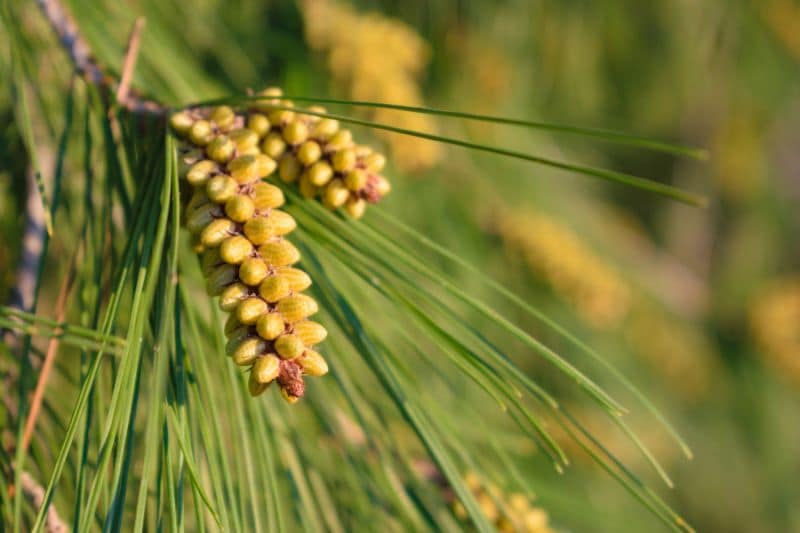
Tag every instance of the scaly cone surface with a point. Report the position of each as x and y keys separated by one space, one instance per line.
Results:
x=240 y=232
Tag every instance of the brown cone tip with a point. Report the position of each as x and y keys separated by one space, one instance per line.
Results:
x=370 y=191
x=291 y=378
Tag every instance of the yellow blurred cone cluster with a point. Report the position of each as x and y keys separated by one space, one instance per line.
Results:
x=605 y=301
x=376 y=58
x=775 y=322
x=509 y=513
x=598 y=294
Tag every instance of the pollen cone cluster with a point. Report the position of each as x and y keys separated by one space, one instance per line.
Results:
x=240 y=231
x=775 y=323
x=599 y=294
x=509 y=513
x=377 y=58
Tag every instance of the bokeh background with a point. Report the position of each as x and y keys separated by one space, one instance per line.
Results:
x=699 y=307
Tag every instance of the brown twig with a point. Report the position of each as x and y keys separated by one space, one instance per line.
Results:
x=130 y=60
x=86 y=65
x=23 y=294
x=49 y=359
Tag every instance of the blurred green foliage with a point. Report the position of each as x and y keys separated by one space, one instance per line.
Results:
x=721 y=75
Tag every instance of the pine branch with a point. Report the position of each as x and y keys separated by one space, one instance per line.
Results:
x=89 y=69
x=23 y=293
x=34 y=492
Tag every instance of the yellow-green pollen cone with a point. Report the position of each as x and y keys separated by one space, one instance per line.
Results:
x=228 y=158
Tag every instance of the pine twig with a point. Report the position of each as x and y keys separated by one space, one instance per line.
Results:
x=132 y=53
x=49 y=359
x=23 y=293
x=86 y=65
x=34 y=492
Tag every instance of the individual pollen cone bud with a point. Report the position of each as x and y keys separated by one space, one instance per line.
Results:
x=198 y=219
x=220 y=278
x=273 y=288
x=273 y=145
x=235 y=338
x=375 y=162
x=325 y=129
x=196 y=245
x=344 y=161
x=222 y=188
x=248 y=350
x=254 y=151
x=289 y=168
x=313 y=363
x=295 y=133
x=273 y=92
x=240 y=208
x=279 y=253
x=356 y=179
x=261 y=229
x=282 y=116
x=258 y=123
x=270 y=326
x=320 y=173
x=297 y=307
x=265 y=165
x=290 y=399
x=198 y=198
x=355 y=207
x=298 y=279
x=266 y=369
x=232 y=324
x=362 y=150
x=252 y=271
x=336 y=194
x=341 y=140
x=313 y=119
x=200 y=172
x=488 y=507
x=309 y=153
x=289 y=346
x=217 y=231
x=201 y=133
x=249 y=310
x=377 y=187
x=310 y=332
x=383 y=186
x=254 y=387
x=245 y=169
x=307 y=189
x=231 y=296
x=209 y=261
x=181 y=122
x=223 y=116
x=221 y=149
x=188 y=156
x=518 y=502
x=244 y=139
x=236 y=249
x=267 y=196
